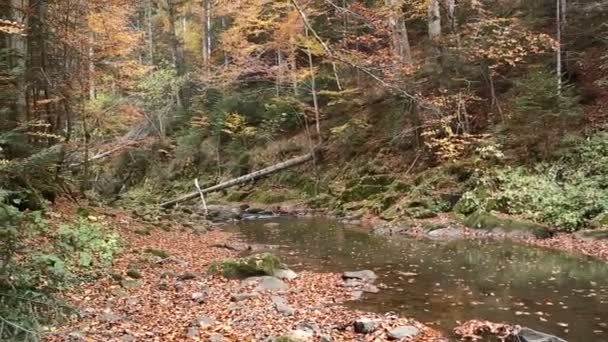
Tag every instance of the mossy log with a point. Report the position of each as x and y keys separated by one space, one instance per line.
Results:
x=246 y=178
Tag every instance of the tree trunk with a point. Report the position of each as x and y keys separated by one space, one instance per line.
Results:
x=313 y=90
x=206 y=36
x=434 y=20
x=243 y=179
x=399 y=36
x=150 y=33
x=558 y=68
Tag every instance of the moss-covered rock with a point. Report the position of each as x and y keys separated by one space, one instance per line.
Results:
x=600 y=221
x=320 y=201
x=484 y=220
x=239 y=268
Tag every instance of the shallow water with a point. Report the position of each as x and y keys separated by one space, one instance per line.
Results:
x=442 y=282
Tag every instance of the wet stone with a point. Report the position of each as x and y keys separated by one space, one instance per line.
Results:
x=365 y=275
x=365 y=325
x=406 y=331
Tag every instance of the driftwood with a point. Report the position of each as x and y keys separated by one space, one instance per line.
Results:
x=243 y=179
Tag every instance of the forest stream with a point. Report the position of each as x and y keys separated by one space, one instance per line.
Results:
x=442 y=282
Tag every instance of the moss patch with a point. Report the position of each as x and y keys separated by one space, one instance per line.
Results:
x=484 y=220
x=239 y=268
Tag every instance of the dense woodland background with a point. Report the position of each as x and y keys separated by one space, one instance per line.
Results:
x=421 y=107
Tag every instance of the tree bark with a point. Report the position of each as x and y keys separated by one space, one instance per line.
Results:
x=206 y=28
x=558 y=52
x=434 y=20
x=399 y=36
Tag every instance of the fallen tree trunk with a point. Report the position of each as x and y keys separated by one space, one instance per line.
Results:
x=239 y=180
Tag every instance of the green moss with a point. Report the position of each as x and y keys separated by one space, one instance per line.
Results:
x=134 y=273
x=237 y=196
x=361 y=192
x=484 y=220
x=600 y=221
x=271 y=196
x=238 y=268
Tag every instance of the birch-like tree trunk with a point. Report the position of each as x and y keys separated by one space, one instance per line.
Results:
x=313 y=90
x=150 y=32
x=558 y=52
x=206 y=36
x=399 y=36
x=434 y=20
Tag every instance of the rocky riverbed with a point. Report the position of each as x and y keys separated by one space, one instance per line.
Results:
x=160 y=289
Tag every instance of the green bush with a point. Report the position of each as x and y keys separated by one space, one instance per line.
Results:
x=568 y=192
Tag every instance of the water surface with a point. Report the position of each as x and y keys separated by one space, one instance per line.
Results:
x=443 y=282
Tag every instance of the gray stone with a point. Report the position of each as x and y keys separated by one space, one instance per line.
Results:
x=369 y=288
x=446 y=233
x=192 y=332
x=110 y=317
x=301 y=335
x=127 y=338
x=365 y=325
x=308 y=326
x=325 y=338
x=216 y=338
x=352 y=283
x=203 y=321
x=198 y=297
x=285 y=274
x=129 y=283
x=405 y=331
x=74 y=336
x=356 y=295
x=178 y=286
x=271 y=284
x=365 y=275
x=530 y=335
x=281 y=305
x=242 y=296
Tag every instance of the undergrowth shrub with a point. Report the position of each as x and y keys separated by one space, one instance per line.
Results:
x=568 y=192
x=36 y=261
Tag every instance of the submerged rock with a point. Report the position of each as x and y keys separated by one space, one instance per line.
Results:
x=365 y=275
x=531 y=335
x=406 y=331
x=517 y=228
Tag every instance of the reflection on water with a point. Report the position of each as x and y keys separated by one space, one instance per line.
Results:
x=441 y=283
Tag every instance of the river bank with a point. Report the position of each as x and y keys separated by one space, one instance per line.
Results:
x=159 y=290
x=444 y=226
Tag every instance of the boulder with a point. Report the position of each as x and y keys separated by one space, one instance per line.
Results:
x=530 y=335
x=271 y=284
x=285 y=274
x=281 y=305
x=239 y=268
x=365 y=325
x=406 y=331
x=365 y=275
x=447 y=233
x=198 y=297
x=517 y=228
